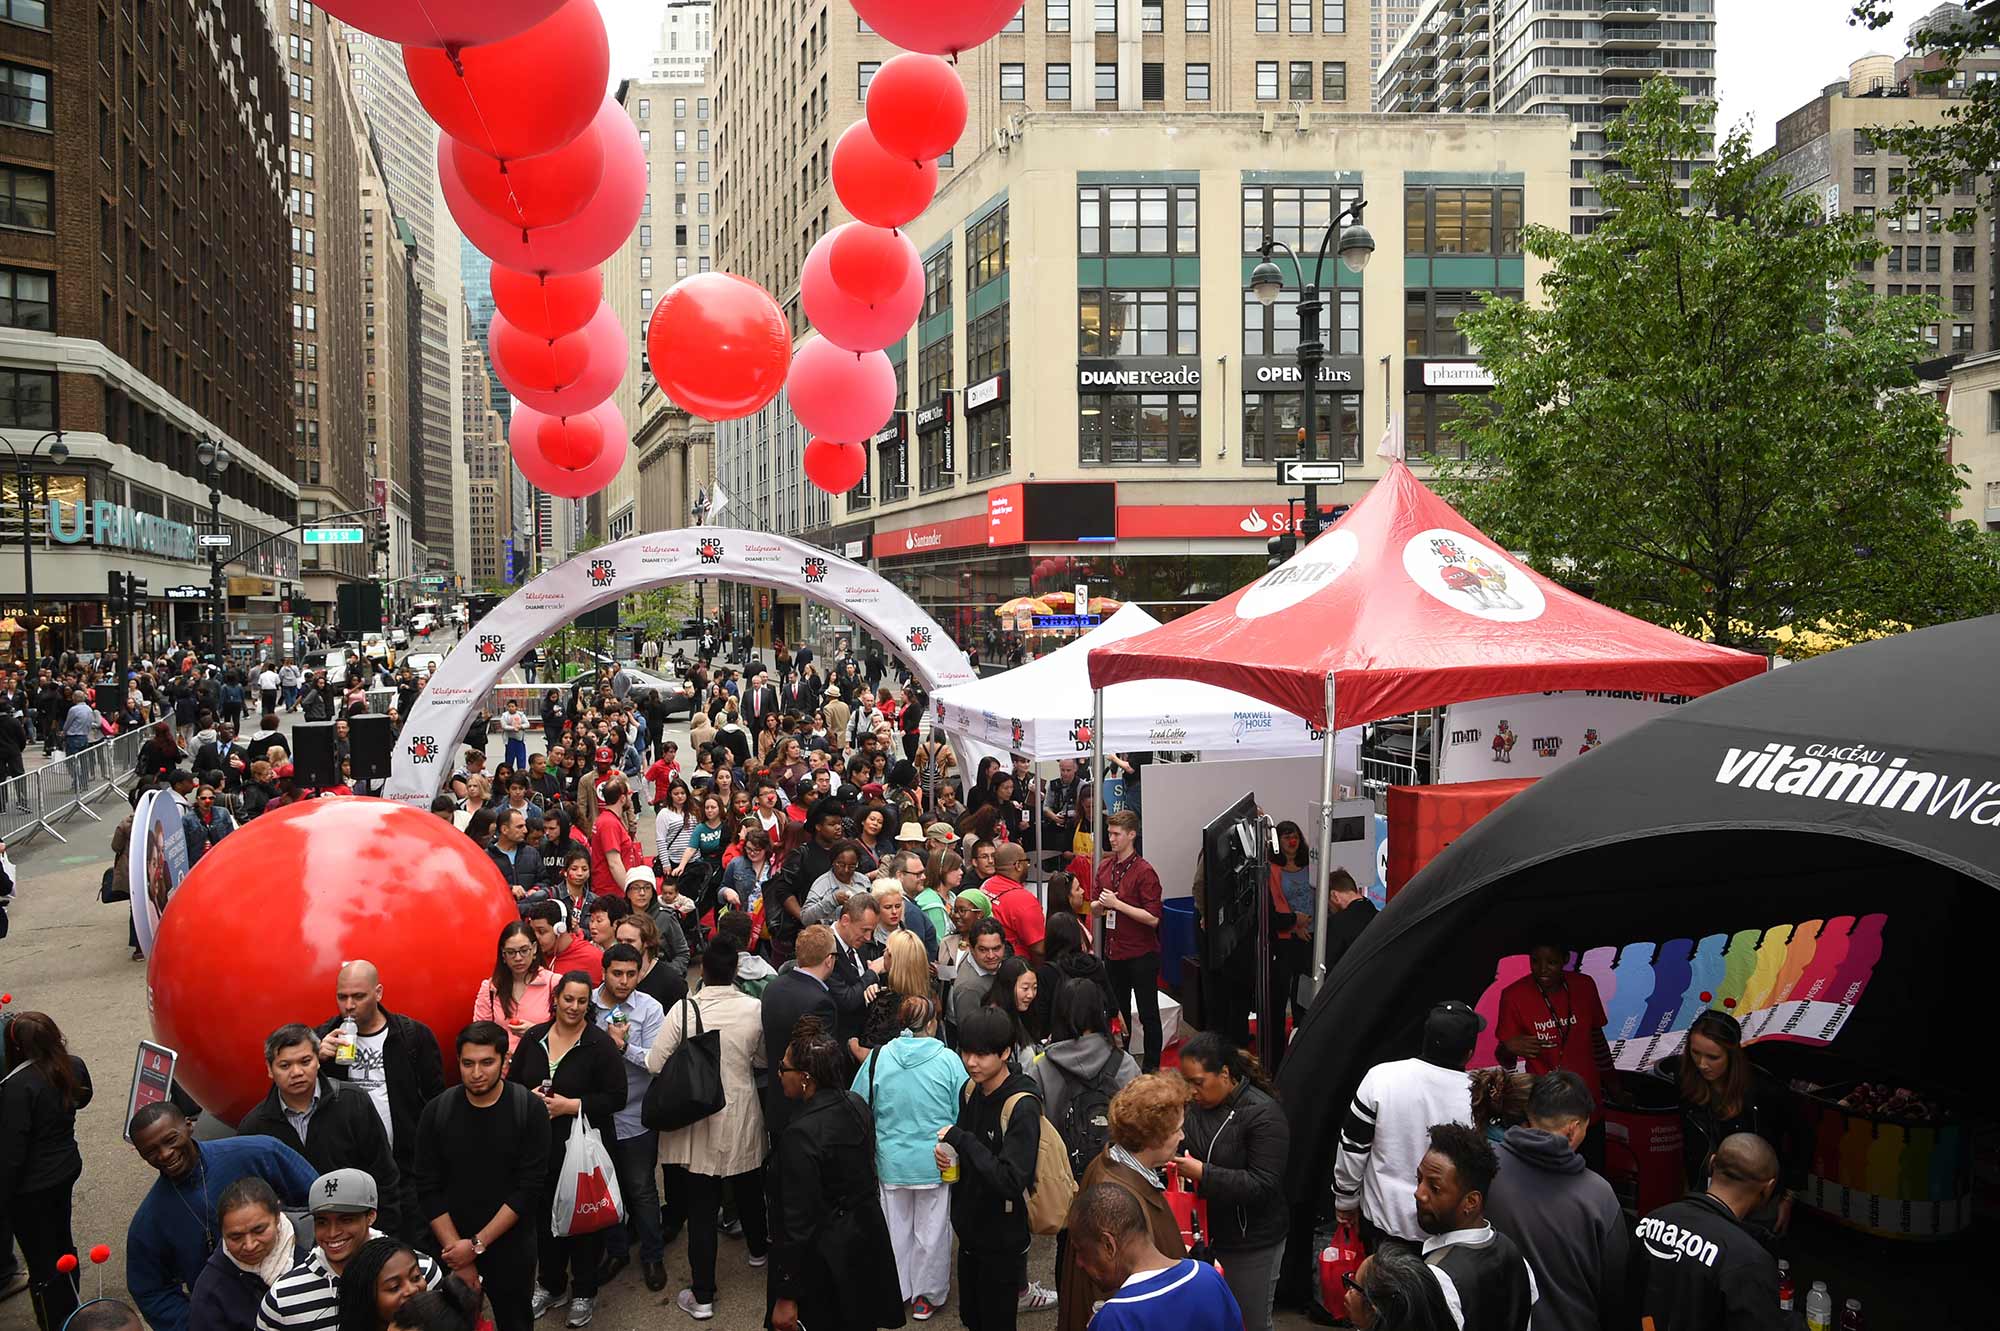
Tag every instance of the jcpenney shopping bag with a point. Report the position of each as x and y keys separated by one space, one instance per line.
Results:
x=587 y=1197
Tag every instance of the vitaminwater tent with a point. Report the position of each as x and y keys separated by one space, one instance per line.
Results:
x=1852 y=801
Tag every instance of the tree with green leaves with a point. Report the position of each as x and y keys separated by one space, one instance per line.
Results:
x=1706 y=421
x=1965 y=144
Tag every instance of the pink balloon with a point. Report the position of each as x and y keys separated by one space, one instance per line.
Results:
x=564 y=482
x=875 y=184
x=916 y=106
x=441 y=22
x=870 y=264
x=934 y=28
x=528 y=94
x=571 y=443
x=846 y=322
x=534 y=191
x=549 y=306
x=840 y=395
x=584 y=241
x=598 y=375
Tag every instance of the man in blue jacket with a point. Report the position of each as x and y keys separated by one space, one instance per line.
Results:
x=177 y=1225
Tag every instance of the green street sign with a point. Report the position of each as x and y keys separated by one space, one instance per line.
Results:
x=333 y=536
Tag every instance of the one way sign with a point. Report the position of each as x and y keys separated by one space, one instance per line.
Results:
x=1311 y=473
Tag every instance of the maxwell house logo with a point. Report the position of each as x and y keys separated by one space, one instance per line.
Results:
x=489 y=647
x=1079 y=733
x=709 y=548
x=919 y=639
x=1548 y=746
x=423 y=749
x=601 y=573
x=1017 y=731
x=814 y=570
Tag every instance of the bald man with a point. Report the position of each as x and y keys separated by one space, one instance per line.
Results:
x=1703 y=1270
x=394 y=1059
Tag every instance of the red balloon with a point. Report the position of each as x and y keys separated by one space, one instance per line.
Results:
x=584 y=241
x=869 y=264
x=584 y=481
x=67 y=1262
x=525 y=361
x=838 y=394
x=548 y=306
x=846 y=322
x=441 y=22
x=835 y=468
x=534 y=191
x=332 y=880
x=916 y=106
x=719 y=346
x=101 y=1253
x=938 y=29
x=530 y=93
x=571 y=443
x=607 y=356
x=875 y=184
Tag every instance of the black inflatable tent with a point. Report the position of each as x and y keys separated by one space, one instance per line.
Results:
x=1864 y=780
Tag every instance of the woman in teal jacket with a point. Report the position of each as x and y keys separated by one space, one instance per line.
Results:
x=912 y=1085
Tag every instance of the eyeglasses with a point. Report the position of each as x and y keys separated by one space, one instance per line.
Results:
x=517 y=951
x=1348 y=1281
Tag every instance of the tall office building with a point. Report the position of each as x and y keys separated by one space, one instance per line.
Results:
x=327 y=314
x=406 y=140
x=687 y=38
x=391 y=369
x=1583 y=60
x=489 y=474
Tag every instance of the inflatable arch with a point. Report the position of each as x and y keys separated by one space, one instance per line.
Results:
x=496 y=643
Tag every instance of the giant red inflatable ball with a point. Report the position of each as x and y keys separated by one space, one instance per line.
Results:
x=256 y=934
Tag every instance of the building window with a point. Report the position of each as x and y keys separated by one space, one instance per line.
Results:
x=1333 y=81
x=1963 y=258
x=25 y=300
x=1864 y=180
x=701 y=170
x=701 y=140
x=703 y=242
x=1961 y=337
x=986 y=249
x=1152 y=15
x=1013 y=83
x=1138 y=428
x=1055 y=83
x=988 y=451
x=1864 y=146
x=1426 y=418
x=1333 y=15
x=1197 y=83
x=27 y=13
x=24 y=197
x=1993 y=411
x=1107 y=84
x=1430 y=321
x=27 y=399
x=1274 y=331
x=1297 y=215
x=701 y=108
x=1267 y=80
x=1016 y=23
x=1961 y=300
x=1058 y=15
x=1106 y=15
x=989 y=440
x=24 y=96
x=864 y=74
x=1454 y=220
x=1124 y=324
x=1138 y=219
x=680 y=108
x=645 y=266
x=680 y=140
x=1267 y=15
x=1197 y=15
x=1273 y=425
x=1302 y=80
x=1152 y=82
x=1300 y=15
x=645 y=109
x=937 y=284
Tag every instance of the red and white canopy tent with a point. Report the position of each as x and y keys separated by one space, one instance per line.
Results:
x=1404 y=605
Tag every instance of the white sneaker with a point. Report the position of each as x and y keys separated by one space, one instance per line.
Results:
x=1036 y=1298
x=543 y=1301
x=756 y=1260
x=687 y=1303
x=580 y=1311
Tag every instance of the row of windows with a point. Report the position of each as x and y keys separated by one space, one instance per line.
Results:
x=1299 y=81
x=681 y=137
x=986 y=249
x=1916 y=220
x=1138 y=219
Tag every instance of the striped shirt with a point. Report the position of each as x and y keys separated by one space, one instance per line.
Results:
x=307 y=1298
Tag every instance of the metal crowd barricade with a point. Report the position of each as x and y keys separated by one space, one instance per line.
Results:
x=67 y=786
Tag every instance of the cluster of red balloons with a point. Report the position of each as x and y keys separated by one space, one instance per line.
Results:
x=862 y=286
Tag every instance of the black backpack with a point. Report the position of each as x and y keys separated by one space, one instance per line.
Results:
x=1085 y=1124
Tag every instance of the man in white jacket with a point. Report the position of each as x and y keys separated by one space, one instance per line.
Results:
x=1387 y=1129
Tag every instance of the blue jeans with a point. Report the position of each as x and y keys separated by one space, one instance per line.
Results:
x=290 y=693
x=637 y=1159
x=517 y=753
x=74 y=744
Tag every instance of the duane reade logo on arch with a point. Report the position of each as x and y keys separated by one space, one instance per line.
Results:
x=1857 y=774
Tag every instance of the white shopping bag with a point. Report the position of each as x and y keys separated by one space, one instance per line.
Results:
x=587 y=1197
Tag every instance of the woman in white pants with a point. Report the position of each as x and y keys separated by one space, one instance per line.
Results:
x=912 y=1085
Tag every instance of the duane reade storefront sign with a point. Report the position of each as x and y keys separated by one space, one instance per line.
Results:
x=1099 y=374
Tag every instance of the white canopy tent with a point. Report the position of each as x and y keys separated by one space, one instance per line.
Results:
x=1042 y=710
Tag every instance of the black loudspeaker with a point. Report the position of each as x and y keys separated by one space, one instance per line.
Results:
x=313 y=763
x=368 y=745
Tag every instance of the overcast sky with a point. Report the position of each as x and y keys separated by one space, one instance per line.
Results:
x=1773 y=55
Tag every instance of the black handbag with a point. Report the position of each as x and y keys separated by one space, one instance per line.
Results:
x=689 y=1087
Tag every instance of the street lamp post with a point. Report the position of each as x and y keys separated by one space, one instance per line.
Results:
x=214 y=460
x=24 y=485
x=1267 y=281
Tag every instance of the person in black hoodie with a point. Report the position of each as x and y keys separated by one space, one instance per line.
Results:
x=39 y=1159
x=994 y=1145
x=1564 y=1218
x=1700 y=1268
x=1236 y=1143
x=1485 y=1278
x=341 y=1129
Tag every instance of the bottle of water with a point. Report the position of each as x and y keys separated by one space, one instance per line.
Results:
x=1819 y=1308
x=1850 y=1316
x=346 y=1050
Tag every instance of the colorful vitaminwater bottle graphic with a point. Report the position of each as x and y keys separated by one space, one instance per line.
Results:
x=1672 y=968
x=1739 y=963
x=1756 y=1000
x=1599 y=964
x=1793 y=1023
x=1705 y=972
x=1798 y=956
x=1626 y=1007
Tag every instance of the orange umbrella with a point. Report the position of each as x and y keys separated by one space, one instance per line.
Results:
x=1105 y=605
x=1023 y=605
x=1062 y=599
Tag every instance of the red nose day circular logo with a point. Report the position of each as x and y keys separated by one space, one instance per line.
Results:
x=919 y=639
x=1079 y=733
x=709 y=548
x=601 y=572
x=489 y=647
x=423 y=749
x=814 y=570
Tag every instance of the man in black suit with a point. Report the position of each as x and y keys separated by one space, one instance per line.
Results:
x=798 y=992
x=857 y=964
x=760 y=701
x=801 y=693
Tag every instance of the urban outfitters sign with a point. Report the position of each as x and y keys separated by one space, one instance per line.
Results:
x=123 y=528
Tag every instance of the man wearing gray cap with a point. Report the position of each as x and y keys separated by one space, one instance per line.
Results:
x=307 y=1298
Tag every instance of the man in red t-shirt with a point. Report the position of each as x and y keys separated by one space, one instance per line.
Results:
x=1128 y=894
x=1020 y=915
x=613 y=852
x=1554 y=1018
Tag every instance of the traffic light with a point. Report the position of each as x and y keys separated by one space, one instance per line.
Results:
x=135 y=590
x=116 y=593
x=1281 y=548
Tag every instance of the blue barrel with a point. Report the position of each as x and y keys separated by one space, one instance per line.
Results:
x=1176 y=938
